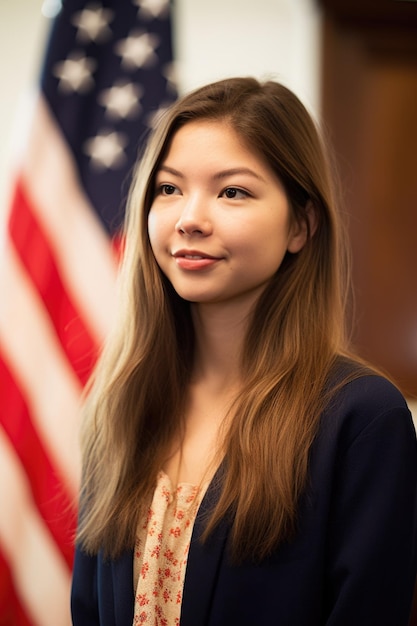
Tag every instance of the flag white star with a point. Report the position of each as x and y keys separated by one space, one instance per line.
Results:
x=106 y=150
x=169 y=71
x=93 y=23
x=138 y=50
x=121 y=100
x=75 y=73
x=152 y=8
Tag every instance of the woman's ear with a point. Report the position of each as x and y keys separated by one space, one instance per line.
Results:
x=303 y=229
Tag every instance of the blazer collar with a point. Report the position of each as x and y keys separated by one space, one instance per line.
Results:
x=203 y=562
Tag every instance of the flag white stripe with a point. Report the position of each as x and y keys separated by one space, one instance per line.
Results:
x=40 y=573
x=40 y=368
x=80 y=245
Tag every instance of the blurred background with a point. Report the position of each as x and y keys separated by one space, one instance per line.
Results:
x=281 y=38
x=66 y=151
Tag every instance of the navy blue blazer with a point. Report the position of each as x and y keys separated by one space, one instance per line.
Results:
x=353 y=561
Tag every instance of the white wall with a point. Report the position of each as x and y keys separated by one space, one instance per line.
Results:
x=264 y=38
x=214 y=39
x=22 y=31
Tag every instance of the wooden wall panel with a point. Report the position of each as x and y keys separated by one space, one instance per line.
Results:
x=370 y=110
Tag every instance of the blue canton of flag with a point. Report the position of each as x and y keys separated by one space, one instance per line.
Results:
x=108 y=70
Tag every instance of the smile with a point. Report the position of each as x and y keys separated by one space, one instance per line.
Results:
x=194 y=260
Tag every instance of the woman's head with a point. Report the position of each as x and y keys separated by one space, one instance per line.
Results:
x=220 y=223
x=272 y=122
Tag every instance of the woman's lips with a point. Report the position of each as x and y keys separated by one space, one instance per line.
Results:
x=194 y=260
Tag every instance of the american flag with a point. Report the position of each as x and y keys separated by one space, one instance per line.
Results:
x=107 y=72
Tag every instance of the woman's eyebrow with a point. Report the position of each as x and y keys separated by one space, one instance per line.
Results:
x=237 y=170
x=219 y=175
x=170 y=170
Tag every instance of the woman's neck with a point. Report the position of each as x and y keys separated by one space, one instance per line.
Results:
x=219 y=335
x=215 y=384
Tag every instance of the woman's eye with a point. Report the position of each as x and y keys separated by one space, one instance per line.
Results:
x=167 y=190
x=234 y=193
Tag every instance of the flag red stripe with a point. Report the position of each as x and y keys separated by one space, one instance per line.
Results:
x=11 y=611
x=58 y=279
x=78 y=242
x=52 y=501
x=34 y=250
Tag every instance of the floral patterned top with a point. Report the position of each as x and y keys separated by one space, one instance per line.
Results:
x=161 y=552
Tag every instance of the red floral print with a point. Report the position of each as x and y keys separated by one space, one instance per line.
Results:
x=161 y=552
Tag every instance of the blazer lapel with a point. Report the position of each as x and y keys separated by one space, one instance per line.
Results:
x=124 y=599
x=204 y=561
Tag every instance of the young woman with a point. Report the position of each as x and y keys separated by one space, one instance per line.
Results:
x=240 y=466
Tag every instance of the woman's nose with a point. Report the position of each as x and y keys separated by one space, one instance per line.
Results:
x=194 y=218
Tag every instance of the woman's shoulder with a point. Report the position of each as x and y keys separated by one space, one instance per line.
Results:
x=362 y=398
x=355 y=381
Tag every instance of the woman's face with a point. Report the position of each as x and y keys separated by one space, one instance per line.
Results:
x=219 y=224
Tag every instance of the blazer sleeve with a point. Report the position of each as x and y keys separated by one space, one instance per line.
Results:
x=84 y=600
x=102 y=590
x=371 y=538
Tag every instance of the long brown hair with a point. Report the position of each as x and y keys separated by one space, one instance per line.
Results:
x=135 y=402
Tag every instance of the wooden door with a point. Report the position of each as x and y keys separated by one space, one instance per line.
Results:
x=369 y=107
